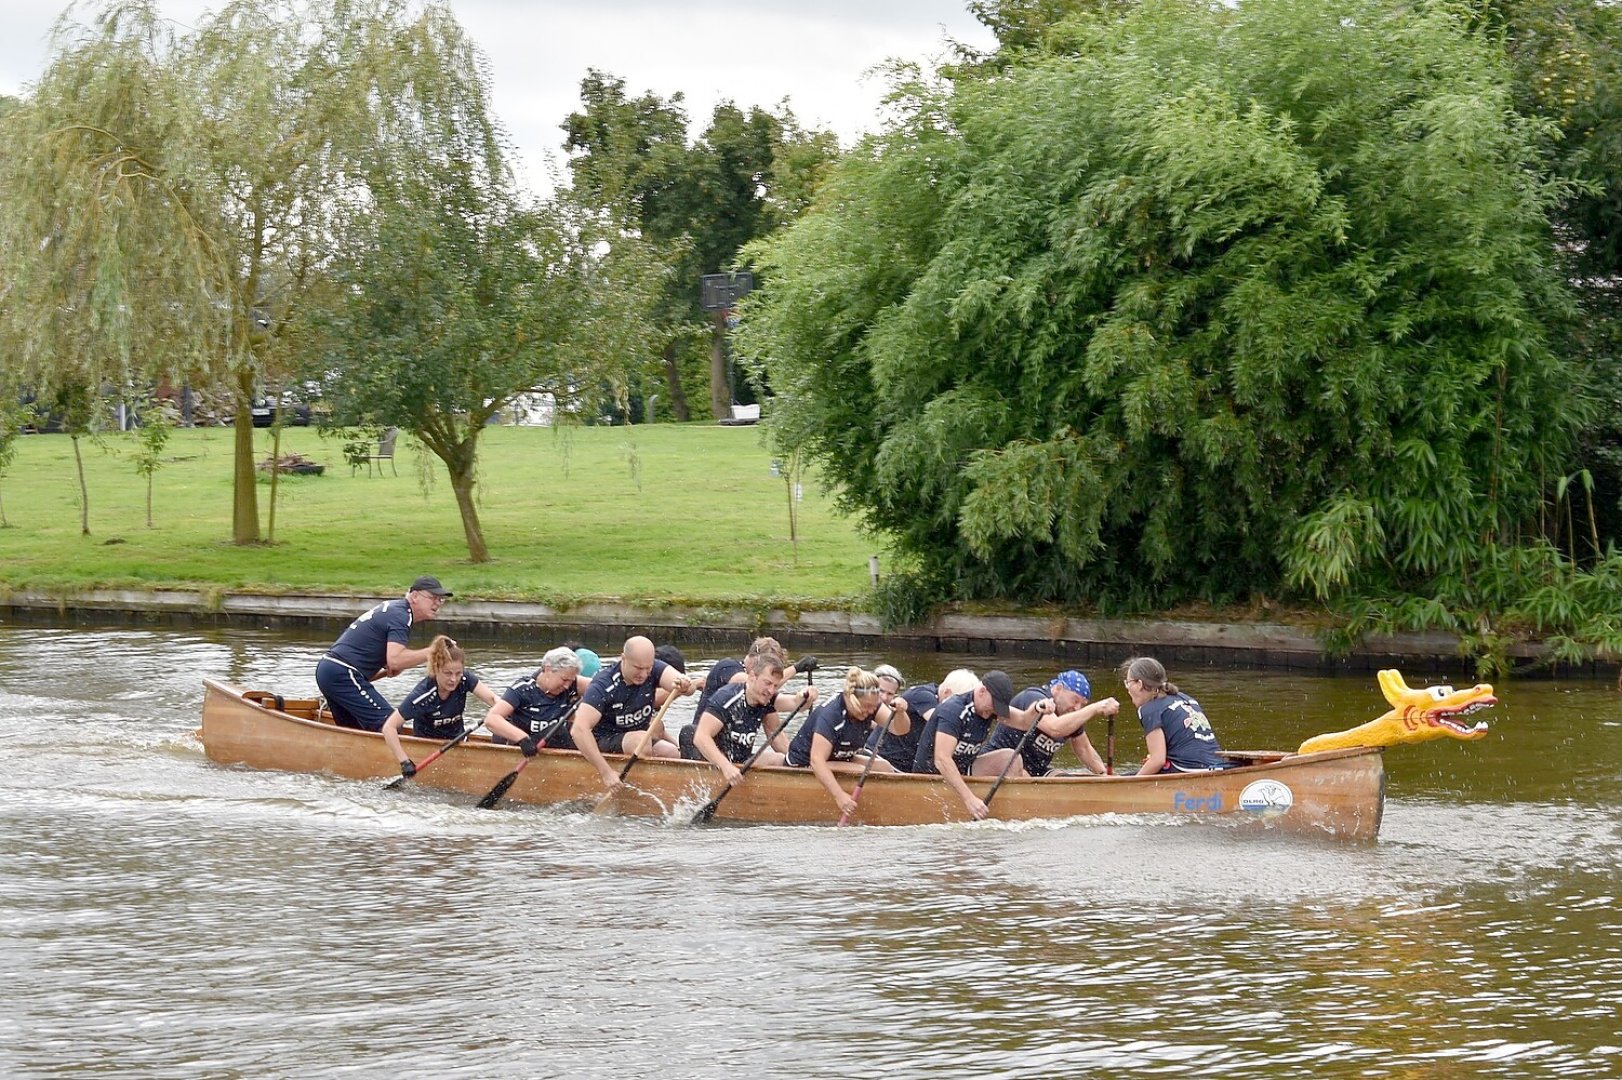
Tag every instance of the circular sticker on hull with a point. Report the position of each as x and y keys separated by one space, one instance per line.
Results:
x=1267 y=797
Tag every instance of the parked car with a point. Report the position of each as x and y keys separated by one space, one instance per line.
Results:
x=294 y=413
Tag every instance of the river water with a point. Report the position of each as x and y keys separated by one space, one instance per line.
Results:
x=163 y=916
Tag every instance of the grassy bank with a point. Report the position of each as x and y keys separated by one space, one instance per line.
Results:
x=659 y=513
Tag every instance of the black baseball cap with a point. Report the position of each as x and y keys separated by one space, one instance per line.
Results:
x=1001 y=689
x=430 y=584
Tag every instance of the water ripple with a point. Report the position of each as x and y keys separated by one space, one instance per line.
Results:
x=159 y=915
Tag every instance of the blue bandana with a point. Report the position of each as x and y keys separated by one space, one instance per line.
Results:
x=1075 y=682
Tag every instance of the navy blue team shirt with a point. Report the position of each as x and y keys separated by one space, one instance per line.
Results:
x=434 y=717
x=739 y=720
x=834 y=723
x=364 y=646
x=622 y=707
x=955 y=717
x=901 y=750
x=1190 y=742
x=720 y=675
x=534 y=709
x=1038 y=755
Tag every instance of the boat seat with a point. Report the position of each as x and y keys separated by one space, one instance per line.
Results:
x=304 y=708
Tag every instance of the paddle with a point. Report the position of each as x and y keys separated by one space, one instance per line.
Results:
x=435 y=756
x=856 y=792
x=1019 y=752
x=1109 y=749
x=707 y=811
x=494 y=795
x=658 y=718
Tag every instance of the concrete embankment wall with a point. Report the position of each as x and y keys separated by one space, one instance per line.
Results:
x=1082 y=641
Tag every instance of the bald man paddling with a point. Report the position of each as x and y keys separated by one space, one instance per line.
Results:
x=616 y=714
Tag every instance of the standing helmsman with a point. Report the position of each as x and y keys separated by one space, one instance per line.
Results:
x=374 y=646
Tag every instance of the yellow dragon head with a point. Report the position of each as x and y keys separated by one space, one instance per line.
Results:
x=1415 y=716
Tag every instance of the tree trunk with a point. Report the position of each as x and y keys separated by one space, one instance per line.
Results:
x=84 y=492
x=4 y=524
x=678 y=399
x=244 y=494
x=462 y=483
x=720 y=392
x=275 y=467
x=149 y=500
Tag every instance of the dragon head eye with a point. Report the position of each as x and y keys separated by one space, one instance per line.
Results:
x=1440 y=693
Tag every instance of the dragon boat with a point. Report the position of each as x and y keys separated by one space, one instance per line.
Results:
x=1333 y=785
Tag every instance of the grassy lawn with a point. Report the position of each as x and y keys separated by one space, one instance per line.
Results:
x=672 y=513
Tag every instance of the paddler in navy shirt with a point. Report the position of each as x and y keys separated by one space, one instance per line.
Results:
x=914 y=707
x=1177 y=735
x=436 y=704
x=839 y=731
x=730 y=671
x=960 y=727
x=531 y=706
x=374 y=646
x=616 y=714
x=724 y=733
x=1065 y=721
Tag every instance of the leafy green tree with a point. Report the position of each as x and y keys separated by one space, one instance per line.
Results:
x=81 y=411
x=164 y=191
x=1568 y=61
x=628 y=155
x=1024 y=27
x=464 y=295
x=87 y=220
x=1228 y=299
x=12 y=418
x=151 y=436
x=745 y=175
x=1568 y=64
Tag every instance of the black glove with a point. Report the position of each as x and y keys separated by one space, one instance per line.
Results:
x=528 y=746
x=805 y=665
x=408 y=768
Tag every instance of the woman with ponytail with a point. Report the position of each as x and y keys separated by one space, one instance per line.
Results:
x=1176 y=734
x=838 y=731
x=435 y=704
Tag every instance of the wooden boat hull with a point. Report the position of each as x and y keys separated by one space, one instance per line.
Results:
x=1339 y=793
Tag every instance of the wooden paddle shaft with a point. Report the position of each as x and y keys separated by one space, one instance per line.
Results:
x=1019 y=751
x=707 y=811
x=856 y=792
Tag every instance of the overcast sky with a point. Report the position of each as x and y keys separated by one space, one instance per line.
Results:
x=754 y=52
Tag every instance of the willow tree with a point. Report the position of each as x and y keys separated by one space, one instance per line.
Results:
x=164 y=195
x=463 y=293
x=1230 y=298
x=12 y=418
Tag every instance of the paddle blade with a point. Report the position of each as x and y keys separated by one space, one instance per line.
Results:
x=392 y=784
x=494 y=795
x=705 y=813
